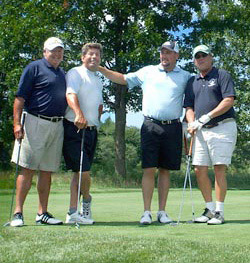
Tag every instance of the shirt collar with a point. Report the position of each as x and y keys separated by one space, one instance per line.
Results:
x=160 y=67
x=46 y=62
x=209 y=74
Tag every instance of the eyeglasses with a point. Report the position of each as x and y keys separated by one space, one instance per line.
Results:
x=201 y=55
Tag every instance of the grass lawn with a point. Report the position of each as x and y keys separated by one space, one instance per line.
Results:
x=117 y=236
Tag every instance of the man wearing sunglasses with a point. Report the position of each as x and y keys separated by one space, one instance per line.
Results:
x=209 y=100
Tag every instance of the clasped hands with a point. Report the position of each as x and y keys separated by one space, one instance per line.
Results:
x=197 y=124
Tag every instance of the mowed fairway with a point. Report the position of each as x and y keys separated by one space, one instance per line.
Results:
x=117 y=236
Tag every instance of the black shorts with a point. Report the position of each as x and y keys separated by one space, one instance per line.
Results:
x=161 y=145
x=72 y=147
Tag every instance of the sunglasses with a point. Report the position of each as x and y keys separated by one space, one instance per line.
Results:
x=201 y=55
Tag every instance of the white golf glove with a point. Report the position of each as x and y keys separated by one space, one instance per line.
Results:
x=197 y=124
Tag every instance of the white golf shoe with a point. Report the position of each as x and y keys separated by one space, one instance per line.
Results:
x=17 y=220
x=205 y=217
x=47 y=219
x=146 y=218
x=79 y=219
x=218 y=219
x=163 y=218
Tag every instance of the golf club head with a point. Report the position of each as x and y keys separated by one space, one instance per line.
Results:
x=77 y=226
x=190 y=222
x=6 y=224
x=174 y=224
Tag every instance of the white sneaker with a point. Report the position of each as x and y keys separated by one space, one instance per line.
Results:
x=17 y=220
x=205 y=217
x=163 y=218
x=78 y=218
x=86 y=209
x=47 y=219
x=146 y=218
x=218 y=219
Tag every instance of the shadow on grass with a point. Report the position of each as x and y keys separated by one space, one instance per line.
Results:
x=237 y=221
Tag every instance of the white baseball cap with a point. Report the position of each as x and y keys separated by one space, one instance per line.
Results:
x=201 y=48
x=171 y=45
x=52 y=43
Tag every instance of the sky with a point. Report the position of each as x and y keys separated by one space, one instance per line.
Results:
x=133 y=119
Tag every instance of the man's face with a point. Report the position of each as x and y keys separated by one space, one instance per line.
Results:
x=54 y=56
x=203 y=61
x=168 y=59
x=92 y=59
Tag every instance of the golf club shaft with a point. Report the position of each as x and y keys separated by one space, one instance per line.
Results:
x=80 y=172
x=188 y=153
x=19 y=141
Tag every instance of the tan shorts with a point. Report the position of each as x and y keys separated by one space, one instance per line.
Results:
x=216 y=145
x=41 y=148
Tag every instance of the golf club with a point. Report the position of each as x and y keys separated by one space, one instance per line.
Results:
x=80 y=174
x=19 y=143
x=188 y=153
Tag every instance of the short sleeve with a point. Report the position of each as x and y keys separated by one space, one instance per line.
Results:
x=73 y=81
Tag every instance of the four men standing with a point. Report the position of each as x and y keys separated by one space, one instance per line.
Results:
x=209 y=111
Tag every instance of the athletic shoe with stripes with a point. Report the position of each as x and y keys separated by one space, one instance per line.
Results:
x=86 y=209
x=17 y=220
x=47 y=219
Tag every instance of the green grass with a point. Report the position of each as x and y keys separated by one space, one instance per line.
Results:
x=117 y=236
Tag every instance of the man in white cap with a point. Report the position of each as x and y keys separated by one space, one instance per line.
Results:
x=163 y=88
x=209 y=101
x=41 y=93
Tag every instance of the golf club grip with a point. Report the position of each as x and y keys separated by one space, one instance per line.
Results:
x=23 y=117
x=191 y=146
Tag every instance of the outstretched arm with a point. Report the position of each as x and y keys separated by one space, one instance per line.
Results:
x=114 y=76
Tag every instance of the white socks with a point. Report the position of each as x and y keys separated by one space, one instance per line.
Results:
x=210 y=206
x=220 y=207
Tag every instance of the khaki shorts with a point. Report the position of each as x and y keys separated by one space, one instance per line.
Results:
x=41 y=148
x=216 y=145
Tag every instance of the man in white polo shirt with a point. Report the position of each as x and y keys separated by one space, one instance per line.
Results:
x=163 y=88
x=84 y=97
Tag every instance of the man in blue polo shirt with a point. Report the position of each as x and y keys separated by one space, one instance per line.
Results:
x=209 y=101
x=41 y=93
x=163 y=88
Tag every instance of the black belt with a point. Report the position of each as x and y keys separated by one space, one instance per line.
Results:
x=91 y=128
x=162 y=122
x=209 y=126
x=53 y=119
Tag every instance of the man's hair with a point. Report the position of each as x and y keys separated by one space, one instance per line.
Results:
x=87 y=46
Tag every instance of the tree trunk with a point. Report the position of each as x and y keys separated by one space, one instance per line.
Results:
x=120 y=124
